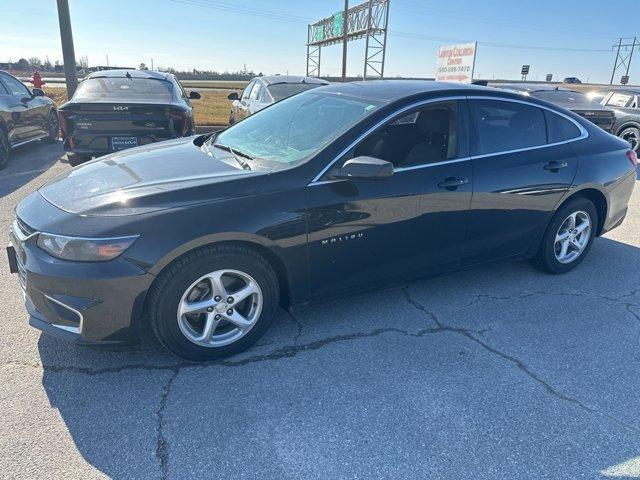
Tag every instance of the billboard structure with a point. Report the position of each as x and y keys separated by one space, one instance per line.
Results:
x=367 y=20
x=456 y=63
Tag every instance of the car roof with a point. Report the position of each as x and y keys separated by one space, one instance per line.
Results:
x=149 y=74
x=392 y=90
x=529 y=87
x=279 y=79
x=618 y=88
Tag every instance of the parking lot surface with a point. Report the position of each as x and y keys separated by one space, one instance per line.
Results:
x=493 y=372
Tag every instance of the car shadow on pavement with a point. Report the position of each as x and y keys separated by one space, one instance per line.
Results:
x=498 y=371
x=26 y=163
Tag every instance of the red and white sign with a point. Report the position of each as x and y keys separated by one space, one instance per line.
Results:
x=456 y=63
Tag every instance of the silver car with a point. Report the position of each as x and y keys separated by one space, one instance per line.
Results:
x=264 y=91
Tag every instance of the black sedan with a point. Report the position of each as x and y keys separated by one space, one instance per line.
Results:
x=117 y=109
x=25 y=116
x=625 y=102
x=569 y=99
x=337 y=189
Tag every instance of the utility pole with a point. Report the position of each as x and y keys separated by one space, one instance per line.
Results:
x=345 y=31
x=68 y=54
x=152 y=64
x=623 y=59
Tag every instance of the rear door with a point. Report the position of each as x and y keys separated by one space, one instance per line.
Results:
x=523 y=164
x=362 y=231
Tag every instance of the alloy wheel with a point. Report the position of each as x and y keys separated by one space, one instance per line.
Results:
x=631 y=135
x=572 y=237
x=53 y=126
x=219 y=308
x=4 y=148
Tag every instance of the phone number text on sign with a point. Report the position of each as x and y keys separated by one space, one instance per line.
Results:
x=456 y=63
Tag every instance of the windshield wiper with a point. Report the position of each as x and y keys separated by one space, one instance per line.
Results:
x=236 y=154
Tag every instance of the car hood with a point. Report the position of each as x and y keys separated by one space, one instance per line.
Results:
x=148 y=178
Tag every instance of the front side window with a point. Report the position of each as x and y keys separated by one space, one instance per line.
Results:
x=293 y=130
x=120 y=88
x=247 y=90
x=503 y=125
x=424 y=136
x=560 y=129
x=15 y=87
x=255 y=91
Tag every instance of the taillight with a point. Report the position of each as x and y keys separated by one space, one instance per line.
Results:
x=65 y=122
x=633 y=157
x=180 y=122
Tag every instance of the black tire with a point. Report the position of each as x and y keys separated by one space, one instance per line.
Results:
x=5 y=148
x=172 y=283
x=631 y=135
x=76 y=159
x=53 y=128
x=546 y=259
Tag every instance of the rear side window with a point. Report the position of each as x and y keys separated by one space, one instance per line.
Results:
x=560 y=129
x=620 y=100
x=504 y=125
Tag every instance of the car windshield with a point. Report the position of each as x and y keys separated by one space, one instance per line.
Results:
x=293 y=130
x=281 y=91
x=92 y=88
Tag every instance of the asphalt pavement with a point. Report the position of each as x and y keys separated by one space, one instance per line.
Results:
x=493 y=372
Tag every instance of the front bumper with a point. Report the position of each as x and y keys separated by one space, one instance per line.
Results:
x=81 y=302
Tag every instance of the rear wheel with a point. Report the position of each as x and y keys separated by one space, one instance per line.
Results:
x=214 y=302
x=5 y=149
x=569 y=237
x=52 y=128
x=76 y=159
x=631 y=135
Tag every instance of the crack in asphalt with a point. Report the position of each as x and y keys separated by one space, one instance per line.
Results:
x=162 y=445
x=514 y=360
x=162 y=448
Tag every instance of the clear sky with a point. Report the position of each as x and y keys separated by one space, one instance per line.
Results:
x=269 y=35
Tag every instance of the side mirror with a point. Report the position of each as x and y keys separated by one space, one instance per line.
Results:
x=233 y=96
x=37 y=92
x=365 y=167
x=194 y=96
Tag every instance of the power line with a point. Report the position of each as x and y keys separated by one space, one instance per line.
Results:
x=273 y=15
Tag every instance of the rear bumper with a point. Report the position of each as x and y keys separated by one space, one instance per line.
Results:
x=100 y=144
x=619 y=195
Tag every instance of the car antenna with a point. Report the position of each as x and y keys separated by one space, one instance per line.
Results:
x=128 y=75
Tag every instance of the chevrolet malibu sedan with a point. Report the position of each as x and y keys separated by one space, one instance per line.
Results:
x=340 y=188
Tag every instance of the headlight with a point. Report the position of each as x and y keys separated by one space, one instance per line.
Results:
x=84 y=249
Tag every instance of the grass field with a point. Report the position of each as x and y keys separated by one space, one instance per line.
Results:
x=212 y=109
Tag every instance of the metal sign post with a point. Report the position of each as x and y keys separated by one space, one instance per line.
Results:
x=367 y=20
x=524 y=72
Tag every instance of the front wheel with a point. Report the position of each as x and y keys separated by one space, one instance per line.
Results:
x=214 y=302
x=568 y=237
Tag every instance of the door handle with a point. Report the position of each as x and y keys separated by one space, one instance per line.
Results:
x=451 y=183
x=555 y=166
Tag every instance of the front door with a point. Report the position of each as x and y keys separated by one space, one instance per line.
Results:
x=362 y=231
